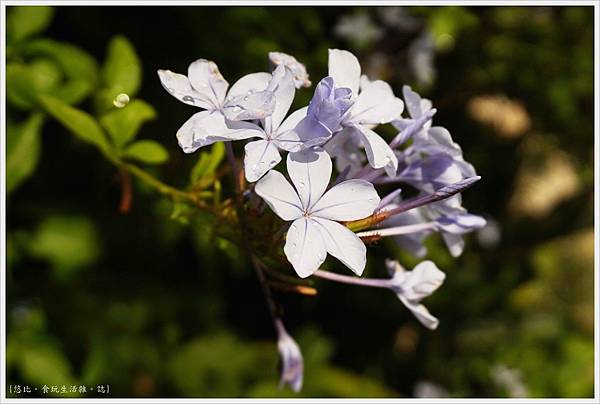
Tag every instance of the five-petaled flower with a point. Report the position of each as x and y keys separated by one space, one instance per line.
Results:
x=205 y=87
x=315 y=213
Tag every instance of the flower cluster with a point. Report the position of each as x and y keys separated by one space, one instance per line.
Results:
x=337 y=129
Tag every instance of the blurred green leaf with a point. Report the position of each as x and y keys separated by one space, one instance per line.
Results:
x=208 y=162
x=23 y=145
x=79 y=122
x=25 y=21
x=123 y=124
x=20 y=86
x=78 y=67
x=68 y=242
x=122 y=71
x=47 y=74
x=147 y=151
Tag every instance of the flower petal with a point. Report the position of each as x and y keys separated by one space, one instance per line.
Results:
x=297 y=69
x=285 y=137
x=282 y=85
x=179 y=87
x=345 y=69
x=343 y=244
x=207 y=127
x=378 y=151
x=455 y=244
x=192 y=134
x=249 y=83
x=310 y=171
x=376 y=104
x=422 y=281
x=412 y=101
x=205 y=78
x=349 y=200
x=279 y=194
x=421 y=313
x=256 y=105
x=261 y=156
x=304 y=246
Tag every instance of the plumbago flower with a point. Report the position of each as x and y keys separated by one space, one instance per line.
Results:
x=343 y=113
x=412 y=286
x=205 y=87
x=334 y=219
x=315 y=230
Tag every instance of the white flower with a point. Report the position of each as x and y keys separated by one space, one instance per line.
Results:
x=275 y=133
x=375 y=104
x=297 y=69
x=413 y=286
x=314 y=212
x=204 y=87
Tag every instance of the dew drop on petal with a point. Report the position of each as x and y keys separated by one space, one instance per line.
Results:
x=301 y=184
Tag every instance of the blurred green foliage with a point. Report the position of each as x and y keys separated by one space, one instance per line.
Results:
x=156 y=304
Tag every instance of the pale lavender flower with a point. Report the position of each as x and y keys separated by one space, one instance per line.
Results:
x=453 y=222
x=292 y=363
x=374 y=104
x=275 y=132
x=413 y=286
x=315 y=213
x=432 y=172
x=325 y=112
x=205 y=87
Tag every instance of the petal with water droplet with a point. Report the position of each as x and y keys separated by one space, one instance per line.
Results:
x=310 y=171
x=343 y=244
x=260 y=157
x=304 y=246
x=280 y=195
x=349 y=200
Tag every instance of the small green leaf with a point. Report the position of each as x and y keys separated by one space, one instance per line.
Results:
x=147 y=151
x=123 y=124
x=23 y=151
x=208 y=162
x=80 y=123
x=122 y=72
x=25 y=21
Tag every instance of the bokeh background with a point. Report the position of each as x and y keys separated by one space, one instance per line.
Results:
x=152 y=305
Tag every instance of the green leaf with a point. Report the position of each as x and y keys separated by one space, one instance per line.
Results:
x=208 y=162
x=124 y=123
x=73 y=61
x=68 y=242
x=122 y=71
x=78 y=122
x=147 y=151
x=78 y=67
x=25 y=21
x=42 y=76
x=23 y=145
x=47 y=74
x=20 y=86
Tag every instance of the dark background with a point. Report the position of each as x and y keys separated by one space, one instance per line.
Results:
x=155 y=309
